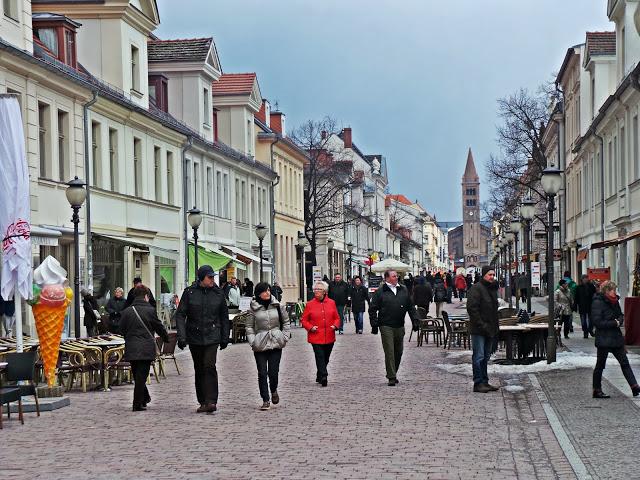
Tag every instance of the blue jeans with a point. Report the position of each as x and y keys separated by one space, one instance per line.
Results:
x=341 y=314
x=482 y=347
x=585 y=320
x=358 y=318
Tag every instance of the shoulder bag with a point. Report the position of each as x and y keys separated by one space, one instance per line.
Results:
x=153 y=337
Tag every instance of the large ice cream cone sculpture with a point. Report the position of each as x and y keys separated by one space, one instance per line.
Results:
x=49 y=307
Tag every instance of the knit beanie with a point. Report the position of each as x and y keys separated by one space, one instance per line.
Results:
x=486 y=269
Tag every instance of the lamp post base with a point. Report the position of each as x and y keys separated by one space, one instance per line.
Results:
x=551 y=348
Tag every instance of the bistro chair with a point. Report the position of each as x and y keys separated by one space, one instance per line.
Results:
x=458 y=334
x=430 y=326
x=239 y=328
x=167 y=351
x=8 y=395
x=422 y=315
x=21 y=368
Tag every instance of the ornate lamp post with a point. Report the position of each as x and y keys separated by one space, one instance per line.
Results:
x=510 y=236
x=350 y=250
x=194 y=218
x=516 y=225
x=551 y=183
x=261 y=232
x=370 y=253
x=528 y=211
x=503 y=249
x=76 y=194
x=330 y=254
x=302 y=244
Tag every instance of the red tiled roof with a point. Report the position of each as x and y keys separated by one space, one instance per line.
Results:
x=179 y=50
x=398 y=198
x=234 y=84
x=601 y=43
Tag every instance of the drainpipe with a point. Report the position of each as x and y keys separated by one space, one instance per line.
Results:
x=602 y=209
x=275 y=182
x=88 y=275
x=188 y=144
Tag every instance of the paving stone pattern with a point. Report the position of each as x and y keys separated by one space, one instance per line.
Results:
x=430 y=426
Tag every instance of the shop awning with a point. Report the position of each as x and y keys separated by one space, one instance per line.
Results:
x=208 y=255
x=127 y=241
x=244 y=256
x=615 y=241
x=583 y=253
x=44 y=236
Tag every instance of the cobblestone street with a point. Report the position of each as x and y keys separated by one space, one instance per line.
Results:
x=430 y=426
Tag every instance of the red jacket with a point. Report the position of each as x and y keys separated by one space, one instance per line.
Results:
x=322 y=315
x=461 y=282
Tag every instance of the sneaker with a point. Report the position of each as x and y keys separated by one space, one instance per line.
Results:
x=275 y=398
x=600 y=394
x=265 y=406
x=481 y=388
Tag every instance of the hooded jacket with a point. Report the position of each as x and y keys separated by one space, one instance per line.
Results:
x=264 y=331
x=606 y=316
x=202 y=317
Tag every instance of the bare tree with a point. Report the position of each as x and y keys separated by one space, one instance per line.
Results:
x=328 y=177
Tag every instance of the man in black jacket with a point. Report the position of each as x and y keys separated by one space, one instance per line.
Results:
x=387 y=310
x=202 y=320
x=131 y=296
x=339 y=293
x=359 y=296
x=582 y=301
x=482 y=306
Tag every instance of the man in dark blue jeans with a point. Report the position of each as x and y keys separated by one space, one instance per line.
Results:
x=482 y=306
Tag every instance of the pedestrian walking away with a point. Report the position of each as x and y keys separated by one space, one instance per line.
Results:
x=137 y=325
x=482 y=307
x=321 y=320
x=422 y=294
x=563 y=303
x=582 y=303
x=91 y=313
x=607 y=317
x=268 y=331
x=339 y=293
x=389 y=306
x=247 y=289
x=439 y=294
x=461 y=285
x=359 y=297
x=202 y=320
x=131 y=295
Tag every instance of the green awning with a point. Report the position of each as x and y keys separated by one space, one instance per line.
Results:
x=217 y=260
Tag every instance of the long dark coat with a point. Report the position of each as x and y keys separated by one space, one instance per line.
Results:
x=139 y=345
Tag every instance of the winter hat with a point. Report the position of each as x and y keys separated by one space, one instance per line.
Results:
x=486 y=269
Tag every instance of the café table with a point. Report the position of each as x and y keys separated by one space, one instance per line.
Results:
x=529 y=338
x=104 y=346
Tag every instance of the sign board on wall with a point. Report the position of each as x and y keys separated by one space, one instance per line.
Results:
x=245 y=304
x=535 y=274
x=599 y=274
x=317 y=273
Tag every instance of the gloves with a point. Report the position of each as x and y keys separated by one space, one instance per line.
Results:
x=181 y=344
x=223 y=346
x=374 y=330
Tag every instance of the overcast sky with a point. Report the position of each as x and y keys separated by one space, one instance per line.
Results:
x=417 y=80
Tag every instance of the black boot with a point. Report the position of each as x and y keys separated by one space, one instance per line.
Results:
x=600 y=394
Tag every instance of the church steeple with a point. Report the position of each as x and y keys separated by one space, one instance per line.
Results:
x=470 y=173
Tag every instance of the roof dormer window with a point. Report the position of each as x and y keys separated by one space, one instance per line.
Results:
x=56 y=36
x=158 y=92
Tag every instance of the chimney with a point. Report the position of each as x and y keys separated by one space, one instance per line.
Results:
x=323 y=134
x=346 y=137
x=277 y=122
x=264 y=115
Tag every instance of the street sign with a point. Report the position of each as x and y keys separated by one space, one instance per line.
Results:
x=557 y=254
x=535 y=274
x=317 y=273
x=599 y=274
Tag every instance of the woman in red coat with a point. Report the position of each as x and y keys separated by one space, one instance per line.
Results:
x=461 y=285
x=320 y=318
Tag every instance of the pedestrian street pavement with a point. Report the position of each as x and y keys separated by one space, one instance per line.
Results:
x=430 y=426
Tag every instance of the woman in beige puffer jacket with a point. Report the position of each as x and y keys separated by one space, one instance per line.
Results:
x=268 y=331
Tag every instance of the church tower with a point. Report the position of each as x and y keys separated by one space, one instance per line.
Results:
x=471 y=233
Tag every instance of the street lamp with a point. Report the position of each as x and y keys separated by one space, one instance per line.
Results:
x=516 y=225
x=510 y=236
x=551 y=181
x=330 y=244
x=76 y=194
x=194 y=218
x=261 y=232
x=349 y=249
x=528 y=211
x=302 y=243
x=370 y=253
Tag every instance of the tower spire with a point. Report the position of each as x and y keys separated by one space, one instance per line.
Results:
x=470 y=173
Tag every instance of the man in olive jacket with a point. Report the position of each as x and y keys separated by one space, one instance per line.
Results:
x=387 y=310
x=202 y=320
x=482 y=306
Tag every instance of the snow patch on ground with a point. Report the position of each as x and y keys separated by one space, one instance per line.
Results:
x=564 y=361
x=514 y=388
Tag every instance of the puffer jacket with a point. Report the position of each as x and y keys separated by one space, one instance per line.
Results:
x=563 y=302
x=264 y=331
x=202 y=317
x=605 y=316
x=482 y=307
x=461 y=282
x=322 y=314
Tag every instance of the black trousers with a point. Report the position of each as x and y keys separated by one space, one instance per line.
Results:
x=140 y=371
x=322 y=354
x=566 y=321
x=268 y=363
x=601 y=361
x=204 y=363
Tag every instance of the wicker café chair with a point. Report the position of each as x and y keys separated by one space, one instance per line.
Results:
x=239 y=328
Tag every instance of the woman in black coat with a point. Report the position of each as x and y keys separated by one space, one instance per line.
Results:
x=137 y=324
x=422 y=294
x=359 y=296
x=90 y=307
x=608 y=318
x=114 y=308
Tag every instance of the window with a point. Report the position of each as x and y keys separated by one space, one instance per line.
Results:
x=158 y=92
x=614 y=165
x=205 y=106
x=238 y=201
x=95 y=154
x=636 y=157
x=70 y=47
x=63 y=145
x=250 y=137
x=135 y=68
x=244 y=201
x=623 y=51
x=593 y=96
x=187 y=182
x=49 y=37
x=197 y=199
x=170 y=198
x=113 y=159
x=137 y=166
x=157 y=172
x=225 y=195
x=470 y=191
x=10 y=8
x=609 y=171
x=219 y=194
x=44 y=127
x=209 y=190
x=253 y=205
x=623 y=160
